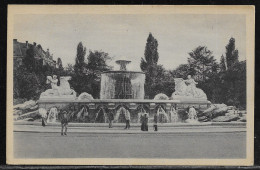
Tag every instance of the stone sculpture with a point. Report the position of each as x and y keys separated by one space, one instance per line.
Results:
x=187 y=89
x=63 y=90
x=161 y=96
x=192 y=116
x=53 y=114
x=174 y=115
x=85 y=96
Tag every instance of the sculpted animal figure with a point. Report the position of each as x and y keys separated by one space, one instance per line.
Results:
x=187 y=88
x=63 y=89
x=180 y=88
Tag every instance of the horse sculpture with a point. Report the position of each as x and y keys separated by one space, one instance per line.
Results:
x=62 y=90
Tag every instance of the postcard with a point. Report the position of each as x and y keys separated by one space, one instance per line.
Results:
x=130 y=85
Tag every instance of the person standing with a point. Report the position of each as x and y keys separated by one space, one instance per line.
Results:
x=145 y=122
x=155 y=121
x=64 y=122
x=187 y=112
x=127 y=117
x=110 y=118
x=44 y=116
x=65 y=118
x=86 y=115
x=142 y=120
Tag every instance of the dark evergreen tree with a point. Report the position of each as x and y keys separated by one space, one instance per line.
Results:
x=157 y=80
x=151 y=55
x=59 y=64
x=231 y=53
x=149 y=65
x=222 y=64
x=79 y=66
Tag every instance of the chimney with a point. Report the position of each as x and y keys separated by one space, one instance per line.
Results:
x=26 y=44
x=14 y=40
x=34 y=43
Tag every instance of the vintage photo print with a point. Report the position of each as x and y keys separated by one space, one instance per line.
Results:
x=130 y=85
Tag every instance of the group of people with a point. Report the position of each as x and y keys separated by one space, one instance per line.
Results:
x=122 y=110
x=67 y=113
x=65 y=116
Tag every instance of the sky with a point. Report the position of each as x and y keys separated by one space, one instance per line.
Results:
x=124 y=36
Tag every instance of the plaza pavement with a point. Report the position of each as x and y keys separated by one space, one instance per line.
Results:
x=203 y=140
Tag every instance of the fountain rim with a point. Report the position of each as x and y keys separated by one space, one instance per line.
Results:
x=123 y=61
x=122 y=71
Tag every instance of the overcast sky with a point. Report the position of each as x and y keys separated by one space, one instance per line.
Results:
x=124 y=36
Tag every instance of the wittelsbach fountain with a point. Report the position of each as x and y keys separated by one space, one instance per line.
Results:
x=123 y=89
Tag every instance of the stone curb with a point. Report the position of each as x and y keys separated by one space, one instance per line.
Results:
x=240 y=124
x=137 y=132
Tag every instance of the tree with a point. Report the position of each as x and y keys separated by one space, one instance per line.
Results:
x=182 y=71
x=80 y=59
x=86 y=76
x=151 y=55
x=30 y=78
x=163 y=82
x=29 y=60
x=231 y=53
x=97 y=63
x=28 y=84
x=149 y=65
x=202 y=62
x=69 y=69
x=234 y=85
x=222 y=64
x=59 y=64
x=39 y=46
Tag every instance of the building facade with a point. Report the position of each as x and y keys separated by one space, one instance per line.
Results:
x=42 y=57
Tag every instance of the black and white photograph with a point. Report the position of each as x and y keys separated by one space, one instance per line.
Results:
x=130 y=85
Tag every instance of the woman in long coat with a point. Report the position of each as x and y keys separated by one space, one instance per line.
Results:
x=145 y=122
x=142 y=119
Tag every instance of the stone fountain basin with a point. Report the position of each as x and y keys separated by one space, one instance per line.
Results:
x=114 y=103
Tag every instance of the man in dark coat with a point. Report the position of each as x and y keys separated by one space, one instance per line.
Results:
x=155 y=120
x=145 y=122
x=142 y=121
x=110 y=118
